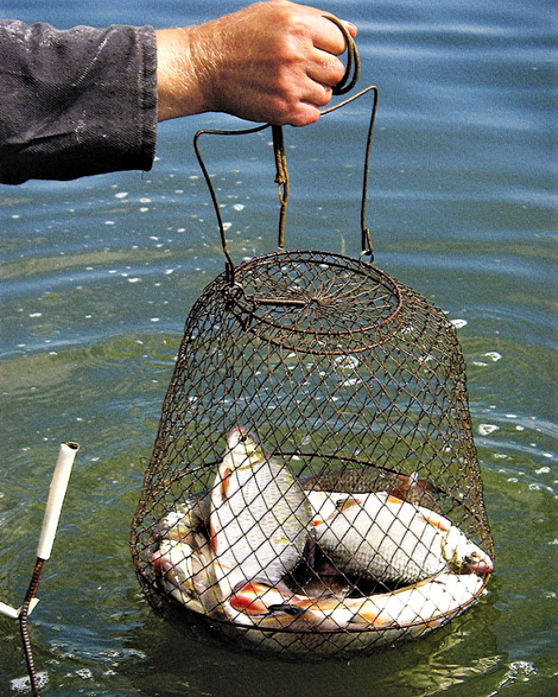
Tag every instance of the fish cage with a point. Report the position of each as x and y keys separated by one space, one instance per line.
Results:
x=314 y=488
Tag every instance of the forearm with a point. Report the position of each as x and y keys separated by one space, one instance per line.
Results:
x=178 y=92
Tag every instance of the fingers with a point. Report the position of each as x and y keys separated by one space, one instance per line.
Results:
x=353 y=30
x=330 y=38
x=327 y=71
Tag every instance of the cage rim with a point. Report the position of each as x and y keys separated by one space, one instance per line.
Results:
x=335 y=260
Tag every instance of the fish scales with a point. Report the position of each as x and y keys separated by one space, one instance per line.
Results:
x=384 y=542
x=260 y=514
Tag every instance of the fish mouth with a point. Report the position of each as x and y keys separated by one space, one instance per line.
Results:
x=480 y=567
x=241 y=436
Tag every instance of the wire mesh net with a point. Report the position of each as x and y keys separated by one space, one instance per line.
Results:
x=314 y=487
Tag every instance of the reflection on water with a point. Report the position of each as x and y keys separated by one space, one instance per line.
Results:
x=97 y=278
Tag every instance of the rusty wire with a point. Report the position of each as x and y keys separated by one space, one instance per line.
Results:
x=30 y=595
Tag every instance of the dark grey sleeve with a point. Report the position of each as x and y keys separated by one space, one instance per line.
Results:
x=77 y=102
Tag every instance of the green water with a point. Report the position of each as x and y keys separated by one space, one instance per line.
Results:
x=98 y=276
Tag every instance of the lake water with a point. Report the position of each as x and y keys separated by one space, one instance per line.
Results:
x=98 y=277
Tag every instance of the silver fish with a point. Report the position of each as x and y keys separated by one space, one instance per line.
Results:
x=190 y=572
x=380 y=537
x=186 y=572
x=260 y=516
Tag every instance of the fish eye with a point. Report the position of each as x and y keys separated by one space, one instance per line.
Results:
x=471 y=558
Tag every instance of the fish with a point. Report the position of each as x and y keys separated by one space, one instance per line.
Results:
x=189 y=575
x=350 y=480
x=414 y=608
x=409 y=487
x=260 y=516
x=227 y=553
x=188 y=517
x=191 y=572
x=186 y=573
x=383 y=538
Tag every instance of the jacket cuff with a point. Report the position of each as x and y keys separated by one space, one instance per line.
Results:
x=77 y=102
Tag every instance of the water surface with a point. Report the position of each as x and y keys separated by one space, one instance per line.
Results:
x=98 y=276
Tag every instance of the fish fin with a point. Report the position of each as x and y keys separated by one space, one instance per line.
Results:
x=346 y=503
x=310 y=546
x=394 y=499
x=288 y=609
x=160 y=562
x=224 y=485
x=326 y=568
x=370 y=614
x=435 y=519
x=257 y=596
x=212 y=538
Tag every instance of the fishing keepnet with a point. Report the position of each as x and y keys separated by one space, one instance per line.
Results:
x=314 y=488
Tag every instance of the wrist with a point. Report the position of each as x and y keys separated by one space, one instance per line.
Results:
x=178 y=83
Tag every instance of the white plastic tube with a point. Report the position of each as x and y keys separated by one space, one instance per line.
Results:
x=8 y=611
x=57 y=491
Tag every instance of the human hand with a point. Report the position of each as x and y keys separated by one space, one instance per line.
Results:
x=273 y=62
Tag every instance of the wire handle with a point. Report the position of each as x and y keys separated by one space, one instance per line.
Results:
x=347 y=82
x=229 y=263
x=366 y=240
x=352 y=70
